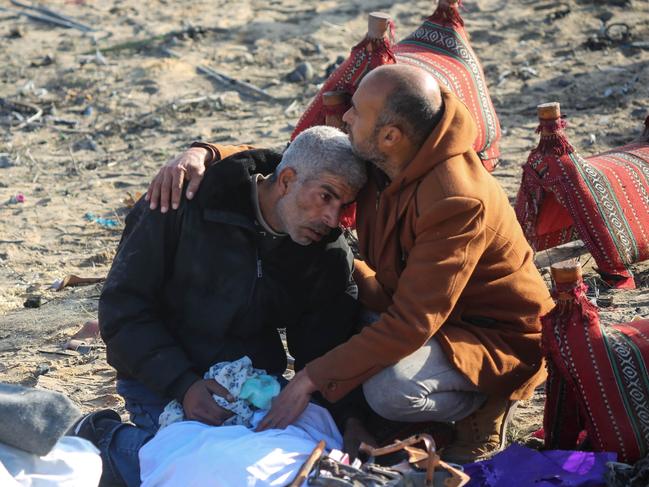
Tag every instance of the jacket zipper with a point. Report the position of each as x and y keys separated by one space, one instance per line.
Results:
x=259 y=267
x=260 y=274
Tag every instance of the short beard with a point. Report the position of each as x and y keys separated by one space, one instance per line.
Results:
x=371 y=152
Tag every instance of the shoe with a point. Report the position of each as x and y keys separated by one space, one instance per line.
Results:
x=92 y=426
x=482 y=434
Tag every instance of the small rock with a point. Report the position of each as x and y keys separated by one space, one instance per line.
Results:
x=638 y=112
x=5 y=162
x=605 y=301
x=333 y=66
x=88 y=111
x=303 y=72
x=33 y=301
x=42 y=369
x=150 y=89
x=16 y=32
x=86 y=143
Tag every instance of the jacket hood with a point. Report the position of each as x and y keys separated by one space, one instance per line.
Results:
x=453 y=136
x=227 y=183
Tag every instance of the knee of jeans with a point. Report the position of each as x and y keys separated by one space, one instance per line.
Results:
x=143 y=417
x=394 y=403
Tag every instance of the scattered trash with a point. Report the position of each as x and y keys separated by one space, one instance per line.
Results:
x=17 y=198
x=82 y=340
x=34 y=301
x=22 y=111
x=72 y=280
x=88 y=111
x=45 y=61
x=104 y=222
x=87 y=143
x=303 y=72
x=610 y=35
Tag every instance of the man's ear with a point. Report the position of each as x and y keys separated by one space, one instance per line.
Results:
x=389 y=137
x=285 y=179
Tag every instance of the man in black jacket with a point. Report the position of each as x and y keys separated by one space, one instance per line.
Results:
x=215 y=279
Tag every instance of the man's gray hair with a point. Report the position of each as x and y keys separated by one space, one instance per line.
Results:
x=323 y=149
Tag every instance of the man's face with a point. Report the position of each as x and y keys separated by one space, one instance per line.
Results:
x=312 y=208
x=361 y=121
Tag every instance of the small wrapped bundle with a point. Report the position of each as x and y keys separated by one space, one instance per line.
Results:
x=441 y=47
x=598 y=378
x=602 y=200
x=373 y=51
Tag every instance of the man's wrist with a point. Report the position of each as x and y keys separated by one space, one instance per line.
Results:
x=211 y=153
x=306 y=382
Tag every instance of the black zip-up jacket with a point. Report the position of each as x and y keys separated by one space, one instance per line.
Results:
x=205 y=284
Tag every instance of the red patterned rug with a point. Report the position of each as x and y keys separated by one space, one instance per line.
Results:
x=602 y=200
x=441 y=47
x=598 y=378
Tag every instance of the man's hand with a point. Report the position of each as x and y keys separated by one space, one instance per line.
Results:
x=168 y=183
x=200 y=406
x=290 y=403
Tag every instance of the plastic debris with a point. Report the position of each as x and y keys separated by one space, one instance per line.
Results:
x=72 y=280
x=104 y=222
x=17 y=198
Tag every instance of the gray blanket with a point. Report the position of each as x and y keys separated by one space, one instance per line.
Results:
x=34 y=419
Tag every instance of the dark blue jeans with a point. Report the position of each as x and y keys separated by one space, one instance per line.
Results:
x=120 y=444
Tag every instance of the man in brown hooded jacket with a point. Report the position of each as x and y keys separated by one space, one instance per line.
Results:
x=449 y=278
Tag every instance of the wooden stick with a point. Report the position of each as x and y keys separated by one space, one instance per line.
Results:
x=308 y=465
x=138 y=44
x=46 y=19
x=228 y=80
x=51 y=13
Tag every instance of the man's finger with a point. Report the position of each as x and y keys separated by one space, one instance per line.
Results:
x=165 y=190
x=193 y=185
x=269 y=422
x=216 y=388
x=215 y=413
x=178 y=179
x=154 y=191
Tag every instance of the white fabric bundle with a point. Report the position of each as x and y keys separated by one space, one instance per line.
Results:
x=190 y=453
x=73 y=462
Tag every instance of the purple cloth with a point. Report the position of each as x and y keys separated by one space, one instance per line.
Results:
x=522 y=467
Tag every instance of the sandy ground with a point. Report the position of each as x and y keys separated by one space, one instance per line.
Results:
x=113 y=114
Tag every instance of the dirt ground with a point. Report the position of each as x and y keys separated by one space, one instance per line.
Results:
x=117 y=103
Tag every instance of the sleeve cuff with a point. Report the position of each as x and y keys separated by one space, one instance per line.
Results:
x=213 y=153
x=179 y=387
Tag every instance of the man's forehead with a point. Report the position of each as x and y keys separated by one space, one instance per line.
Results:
x=333 y=183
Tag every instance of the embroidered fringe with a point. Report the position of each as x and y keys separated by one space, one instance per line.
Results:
x=447 y=13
